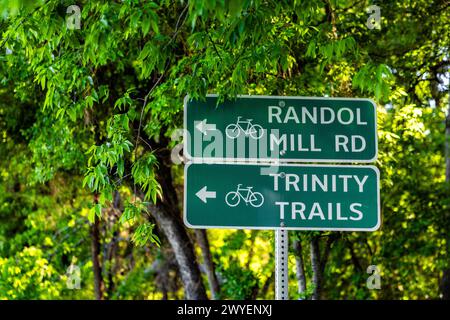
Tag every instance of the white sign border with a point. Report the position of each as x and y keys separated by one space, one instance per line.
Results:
x=213 y=159
x=375 y=228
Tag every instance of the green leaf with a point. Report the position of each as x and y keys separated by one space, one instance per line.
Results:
x=145 y=26
x=91 y=215
x=235 y=7
x=98 y=210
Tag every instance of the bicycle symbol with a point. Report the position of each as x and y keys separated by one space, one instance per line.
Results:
x=233 y=198
x=234 y=130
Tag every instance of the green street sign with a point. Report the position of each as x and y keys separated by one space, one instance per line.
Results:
x=286 y=129
x=300 y=197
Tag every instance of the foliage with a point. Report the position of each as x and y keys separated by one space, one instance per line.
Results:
x=86 y=116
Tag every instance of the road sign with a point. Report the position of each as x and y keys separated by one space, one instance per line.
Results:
x=266 y=128
x=289 y=196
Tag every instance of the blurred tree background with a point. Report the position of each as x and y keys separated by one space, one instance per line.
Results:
x=90 y=199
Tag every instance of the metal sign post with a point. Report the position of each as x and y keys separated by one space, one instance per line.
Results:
x=281 y=264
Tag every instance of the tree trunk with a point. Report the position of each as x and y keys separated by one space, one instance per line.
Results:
x=316 y=267
x=95 y=251
x=162 y=279
x=202 y=239
x=111 y=248
x=299 y=266
x=111 y=253
x=184 y=252
x=267 y=284
x=251 y=252
x=167 y=214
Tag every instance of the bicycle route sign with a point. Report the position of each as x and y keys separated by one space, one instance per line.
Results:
x=285 y=129
x=285 y=196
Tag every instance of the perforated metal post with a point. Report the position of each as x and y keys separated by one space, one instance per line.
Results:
x=281 y=264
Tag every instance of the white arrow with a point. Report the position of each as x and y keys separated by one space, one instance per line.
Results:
x=203 y=127
x=203 y=194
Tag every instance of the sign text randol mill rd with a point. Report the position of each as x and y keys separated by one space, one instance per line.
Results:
x=301 y=129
